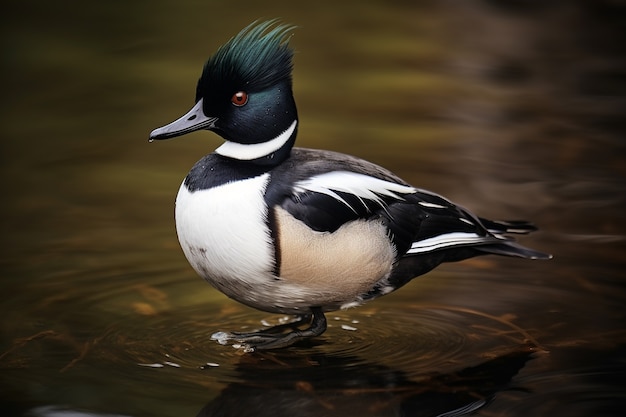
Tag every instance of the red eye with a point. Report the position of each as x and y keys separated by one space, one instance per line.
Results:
x=239 y=98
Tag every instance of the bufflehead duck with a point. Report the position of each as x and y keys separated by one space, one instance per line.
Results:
x=302 y=231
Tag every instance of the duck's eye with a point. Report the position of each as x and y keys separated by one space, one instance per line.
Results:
x=239 y=98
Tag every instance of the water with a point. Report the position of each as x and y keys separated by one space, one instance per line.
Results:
x=514 y=109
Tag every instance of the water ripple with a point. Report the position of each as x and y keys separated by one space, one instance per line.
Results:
x=424 y=340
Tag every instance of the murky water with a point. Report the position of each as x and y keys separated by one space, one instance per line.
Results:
x=514 y=109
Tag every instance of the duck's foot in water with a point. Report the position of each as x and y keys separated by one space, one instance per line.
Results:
x=276 y=337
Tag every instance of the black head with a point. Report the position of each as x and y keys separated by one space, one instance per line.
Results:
x=245 y=95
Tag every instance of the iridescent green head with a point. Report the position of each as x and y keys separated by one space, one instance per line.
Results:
x=255 y=59
x=244 y=94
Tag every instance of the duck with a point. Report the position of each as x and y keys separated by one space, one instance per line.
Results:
x=297 y=231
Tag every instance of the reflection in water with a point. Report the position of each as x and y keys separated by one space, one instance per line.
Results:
x=278 y=385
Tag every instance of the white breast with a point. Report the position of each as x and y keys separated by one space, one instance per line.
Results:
x=224 y=234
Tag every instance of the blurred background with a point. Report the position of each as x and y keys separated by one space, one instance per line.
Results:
x=514 y=109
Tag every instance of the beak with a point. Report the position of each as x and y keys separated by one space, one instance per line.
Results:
x=190 y=122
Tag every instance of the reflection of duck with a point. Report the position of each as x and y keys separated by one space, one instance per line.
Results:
x=300 y=231
x=332 y=387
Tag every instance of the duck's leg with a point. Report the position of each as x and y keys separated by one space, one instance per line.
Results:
x=278 y=329
x=272 y=338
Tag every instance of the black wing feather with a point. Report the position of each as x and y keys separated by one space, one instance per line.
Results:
x=409 y=218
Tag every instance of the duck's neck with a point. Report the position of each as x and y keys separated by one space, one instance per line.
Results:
x=271 y=152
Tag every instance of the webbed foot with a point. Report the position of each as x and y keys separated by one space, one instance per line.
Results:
x=276 y=337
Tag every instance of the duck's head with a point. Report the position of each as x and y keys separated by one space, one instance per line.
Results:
x=245 y=95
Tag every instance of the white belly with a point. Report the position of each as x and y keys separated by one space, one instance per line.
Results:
x=224 y=234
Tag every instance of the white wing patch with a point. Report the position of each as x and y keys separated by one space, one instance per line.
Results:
x=359 y=185
x=447 y=240
x=431 y=205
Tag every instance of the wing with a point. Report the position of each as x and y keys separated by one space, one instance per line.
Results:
x=328 y=200
x=329 y=189
x=449 y=226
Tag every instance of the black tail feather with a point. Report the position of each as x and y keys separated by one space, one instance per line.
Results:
x=520 y=227
x=511 y=248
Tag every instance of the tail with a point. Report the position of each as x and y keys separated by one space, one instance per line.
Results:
x=518 y=227
x=510 y=247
